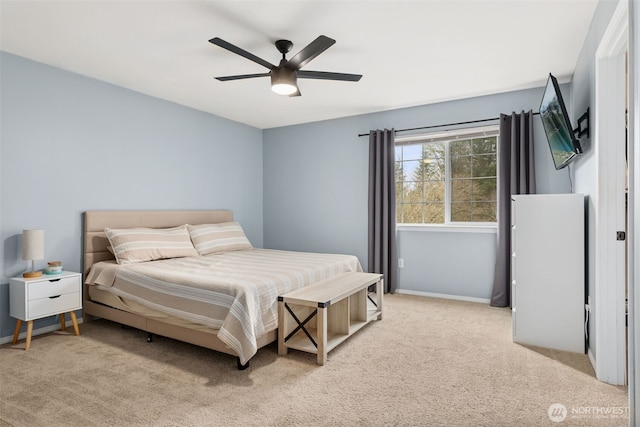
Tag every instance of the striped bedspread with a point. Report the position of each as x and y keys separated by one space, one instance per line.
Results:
x=235 y=292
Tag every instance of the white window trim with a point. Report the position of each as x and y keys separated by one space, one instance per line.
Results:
x=451 y=135
x=450 y=228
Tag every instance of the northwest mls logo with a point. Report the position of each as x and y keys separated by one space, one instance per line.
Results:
x=557 y=412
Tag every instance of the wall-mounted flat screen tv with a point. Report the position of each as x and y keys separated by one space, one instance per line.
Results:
x=557 y=126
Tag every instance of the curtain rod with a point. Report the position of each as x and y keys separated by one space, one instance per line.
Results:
x=447 y=124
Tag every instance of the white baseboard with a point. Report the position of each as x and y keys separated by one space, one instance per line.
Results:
x=39 y=331
x=443 y=296
x=591 y=359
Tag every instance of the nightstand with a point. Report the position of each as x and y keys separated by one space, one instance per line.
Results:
x=48 y=295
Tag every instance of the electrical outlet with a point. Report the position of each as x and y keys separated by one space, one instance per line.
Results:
x=400 y=263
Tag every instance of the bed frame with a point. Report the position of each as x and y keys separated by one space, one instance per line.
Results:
x=95 y=250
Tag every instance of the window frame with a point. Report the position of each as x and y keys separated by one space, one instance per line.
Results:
x=447 y=137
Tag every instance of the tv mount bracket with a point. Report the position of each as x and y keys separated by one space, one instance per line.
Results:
x=580 y=131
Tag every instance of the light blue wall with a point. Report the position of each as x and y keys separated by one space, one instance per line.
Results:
x=584 y=84
x=448 y=263
x=315 y=193
x=314 y=176
x=71 y=143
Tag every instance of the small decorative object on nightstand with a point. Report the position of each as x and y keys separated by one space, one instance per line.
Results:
x=53 y=267
x=32 y=249
x=35 y=298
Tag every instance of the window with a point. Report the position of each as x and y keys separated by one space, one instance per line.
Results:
x=447 y=178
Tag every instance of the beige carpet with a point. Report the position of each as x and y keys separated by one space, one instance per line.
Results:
x=430 y=362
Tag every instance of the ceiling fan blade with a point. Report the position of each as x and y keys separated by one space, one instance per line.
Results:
x=323 y=75
x=312 y=50
x=238 y=51
x=241 y=76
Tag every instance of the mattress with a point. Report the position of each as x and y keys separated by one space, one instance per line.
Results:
x=112 y=300
x=233 y=292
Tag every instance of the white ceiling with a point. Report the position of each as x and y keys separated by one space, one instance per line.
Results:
x=409 y=52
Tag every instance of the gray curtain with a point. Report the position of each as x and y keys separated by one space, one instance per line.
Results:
x=516 y=175
x=382 y=207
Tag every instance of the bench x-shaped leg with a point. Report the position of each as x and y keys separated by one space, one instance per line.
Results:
x=300 y=325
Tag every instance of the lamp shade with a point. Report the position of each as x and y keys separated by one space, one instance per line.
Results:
x=32 y=244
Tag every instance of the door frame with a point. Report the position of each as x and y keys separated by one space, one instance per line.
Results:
x=609 y=311
x=634 y=213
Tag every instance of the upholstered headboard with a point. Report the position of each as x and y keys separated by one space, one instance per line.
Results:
x=94 y=222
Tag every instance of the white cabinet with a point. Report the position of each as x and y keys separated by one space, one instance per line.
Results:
x=48 y=295
x=548 y=270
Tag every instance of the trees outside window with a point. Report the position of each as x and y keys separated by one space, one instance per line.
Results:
x=447 y=180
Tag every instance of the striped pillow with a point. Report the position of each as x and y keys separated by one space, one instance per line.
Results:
x=223 y=237
x=131 y=245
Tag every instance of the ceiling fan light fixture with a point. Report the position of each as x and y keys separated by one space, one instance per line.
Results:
x=284 y=81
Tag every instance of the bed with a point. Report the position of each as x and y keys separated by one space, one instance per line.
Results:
x=225 y=300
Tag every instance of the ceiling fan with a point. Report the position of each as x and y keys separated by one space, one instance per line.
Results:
x=284 y=76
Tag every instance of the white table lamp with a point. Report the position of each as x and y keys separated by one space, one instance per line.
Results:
x=32 y=249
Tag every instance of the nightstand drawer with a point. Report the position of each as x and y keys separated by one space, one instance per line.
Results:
x=53 y=305
x=53 y=287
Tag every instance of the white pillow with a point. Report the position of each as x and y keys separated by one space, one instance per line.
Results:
x=223 y=237
x=132 y=245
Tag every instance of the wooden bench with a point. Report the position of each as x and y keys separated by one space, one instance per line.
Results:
x=342 y=306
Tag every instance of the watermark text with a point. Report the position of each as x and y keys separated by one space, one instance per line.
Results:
x=558 y=412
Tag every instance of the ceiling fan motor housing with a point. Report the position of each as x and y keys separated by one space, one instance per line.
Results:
x=284 y=46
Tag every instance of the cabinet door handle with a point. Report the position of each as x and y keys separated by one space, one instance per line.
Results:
x=54 y=280
x=57 y=296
